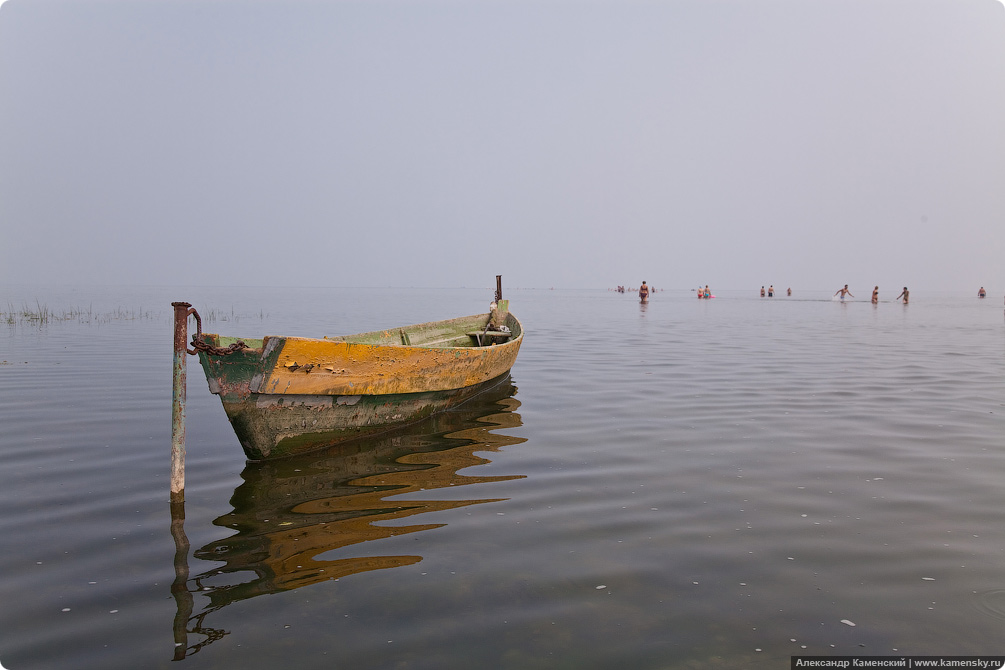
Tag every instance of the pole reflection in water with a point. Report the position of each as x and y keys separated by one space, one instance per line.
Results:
x=289 y=512
x=179 y=588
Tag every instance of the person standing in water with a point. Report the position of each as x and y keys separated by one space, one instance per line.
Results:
x=707 y=293
x=843 y=292
x=790 y=292
x=875 y=295
x=982 y=293
x=771 y=291
x=762 y=291
x=643 y=292
x=903 y=295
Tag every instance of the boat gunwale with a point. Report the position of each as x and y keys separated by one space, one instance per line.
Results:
x=516 y=336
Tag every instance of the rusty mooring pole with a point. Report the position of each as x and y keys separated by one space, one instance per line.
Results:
x=181 y=312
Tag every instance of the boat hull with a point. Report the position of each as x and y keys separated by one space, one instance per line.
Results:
x=288 y=395
x=274 y=425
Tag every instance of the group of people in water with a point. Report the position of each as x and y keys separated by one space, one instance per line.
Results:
x=771 y=291
x=842 y=293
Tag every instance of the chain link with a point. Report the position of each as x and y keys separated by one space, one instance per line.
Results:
x=200 y=344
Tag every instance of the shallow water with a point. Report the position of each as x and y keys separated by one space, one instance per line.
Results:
x=681 y=484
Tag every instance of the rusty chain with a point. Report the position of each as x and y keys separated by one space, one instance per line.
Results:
x=200 y=344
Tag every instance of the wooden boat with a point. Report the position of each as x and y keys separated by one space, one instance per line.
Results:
x=289 y=395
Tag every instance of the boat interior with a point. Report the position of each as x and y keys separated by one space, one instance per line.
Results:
x=465 y=331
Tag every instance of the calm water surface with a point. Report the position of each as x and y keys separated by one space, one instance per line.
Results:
x=685 y=484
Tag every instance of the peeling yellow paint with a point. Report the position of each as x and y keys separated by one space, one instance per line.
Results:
x=318 y=366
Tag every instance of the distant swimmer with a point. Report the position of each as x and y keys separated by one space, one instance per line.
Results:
x=844 y=292
x=701 y=293
x=707 y=293
x=643 y=292
x=771 y=291
x=762 y=291
x=982 y=293
x=790 y=292
x=875 y=295
x=903 y=295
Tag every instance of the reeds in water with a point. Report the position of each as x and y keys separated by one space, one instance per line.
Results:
x=41 y=315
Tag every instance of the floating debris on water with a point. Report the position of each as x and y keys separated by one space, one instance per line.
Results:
x=848 y=623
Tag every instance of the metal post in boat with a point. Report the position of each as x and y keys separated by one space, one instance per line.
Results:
x=181 y=313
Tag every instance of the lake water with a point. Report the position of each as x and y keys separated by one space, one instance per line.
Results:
x=685 y=484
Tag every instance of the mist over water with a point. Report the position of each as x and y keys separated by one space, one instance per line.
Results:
x=681 y=484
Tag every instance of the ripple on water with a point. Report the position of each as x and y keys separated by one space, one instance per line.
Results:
x=991 y=602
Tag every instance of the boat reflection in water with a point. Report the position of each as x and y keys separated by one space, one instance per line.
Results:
x=289 y=512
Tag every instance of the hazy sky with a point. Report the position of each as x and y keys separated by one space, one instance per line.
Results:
x=736 y=143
